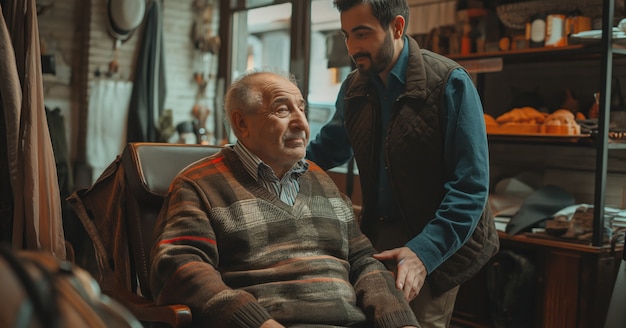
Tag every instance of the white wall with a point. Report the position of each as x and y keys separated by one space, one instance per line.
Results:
x=62 y=28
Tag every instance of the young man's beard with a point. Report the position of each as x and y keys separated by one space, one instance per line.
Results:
x=383 y=58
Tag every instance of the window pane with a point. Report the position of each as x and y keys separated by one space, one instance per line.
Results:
x=256 y=3
x=261 y=38
x=329 y=64
x=235 y=4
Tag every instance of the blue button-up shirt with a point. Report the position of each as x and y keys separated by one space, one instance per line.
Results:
x=395 y=88
x=466 y=156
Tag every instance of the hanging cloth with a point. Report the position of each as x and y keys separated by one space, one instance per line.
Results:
x=37 y=218
x=108 y=111
x=11 y=96
x=149 y=89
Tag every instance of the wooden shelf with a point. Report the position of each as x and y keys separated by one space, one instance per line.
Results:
x=545 y=53
x=567 y=53
x=544 y=240
x=548 y=140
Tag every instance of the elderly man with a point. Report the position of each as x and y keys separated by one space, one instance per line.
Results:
x=256 y=236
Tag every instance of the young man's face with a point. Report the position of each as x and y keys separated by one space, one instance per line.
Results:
x=370 y=46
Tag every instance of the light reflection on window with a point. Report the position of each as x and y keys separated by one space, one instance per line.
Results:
x=325 y=81
x=261 y=38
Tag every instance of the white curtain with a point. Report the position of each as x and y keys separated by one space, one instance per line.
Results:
x=106 y=122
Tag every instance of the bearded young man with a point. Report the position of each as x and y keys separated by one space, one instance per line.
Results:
x=413 y=121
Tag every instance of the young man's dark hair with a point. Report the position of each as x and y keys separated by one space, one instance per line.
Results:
x=384 y=10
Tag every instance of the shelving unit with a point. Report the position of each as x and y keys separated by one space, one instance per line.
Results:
x=570 y=274
x=608 y=10
x=602 y=51
x=529 y=54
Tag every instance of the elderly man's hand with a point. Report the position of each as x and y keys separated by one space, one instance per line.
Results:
x=411 y=270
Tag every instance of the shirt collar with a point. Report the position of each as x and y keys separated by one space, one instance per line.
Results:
x=253 y=164
x=399 y=69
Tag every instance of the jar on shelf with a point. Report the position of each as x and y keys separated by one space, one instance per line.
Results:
x=555 y=30
x=537 y=30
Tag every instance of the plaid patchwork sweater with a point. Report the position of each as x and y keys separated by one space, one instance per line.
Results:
x=238 y=256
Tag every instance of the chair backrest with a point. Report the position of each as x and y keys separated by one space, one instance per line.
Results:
x=149 y=168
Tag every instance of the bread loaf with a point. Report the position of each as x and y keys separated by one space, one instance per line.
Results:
x=562 y=121
x=522 y=115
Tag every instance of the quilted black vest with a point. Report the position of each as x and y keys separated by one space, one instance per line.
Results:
x=413 y=150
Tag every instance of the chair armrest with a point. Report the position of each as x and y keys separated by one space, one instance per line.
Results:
x=176 y=315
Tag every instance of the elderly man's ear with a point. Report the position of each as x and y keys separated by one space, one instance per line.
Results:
x=240 y=124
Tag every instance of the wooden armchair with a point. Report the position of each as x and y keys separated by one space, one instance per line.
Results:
x=149 y=169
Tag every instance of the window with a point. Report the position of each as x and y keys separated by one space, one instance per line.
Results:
x=263 y=33
x=261 y=38
x=329 y=63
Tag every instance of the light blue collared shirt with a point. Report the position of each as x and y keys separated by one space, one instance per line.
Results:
x=286 y=188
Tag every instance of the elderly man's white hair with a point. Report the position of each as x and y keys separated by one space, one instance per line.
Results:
x=244 y=94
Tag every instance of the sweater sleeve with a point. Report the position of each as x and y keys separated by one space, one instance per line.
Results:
x=375 y=287
x=184 y=261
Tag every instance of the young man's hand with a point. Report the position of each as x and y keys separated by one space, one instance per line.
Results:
x=411 y=270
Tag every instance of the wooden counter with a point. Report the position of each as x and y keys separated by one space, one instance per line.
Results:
x=574 y=282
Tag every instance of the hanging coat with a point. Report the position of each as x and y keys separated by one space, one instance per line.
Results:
x=37 y=216
x=148 y=96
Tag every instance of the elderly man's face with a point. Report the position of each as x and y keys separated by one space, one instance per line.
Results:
x=278 y=132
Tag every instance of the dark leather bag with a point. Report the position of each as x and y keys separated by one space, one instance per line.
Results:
x=42 y=291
